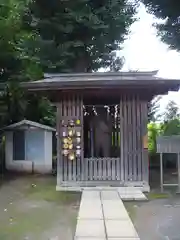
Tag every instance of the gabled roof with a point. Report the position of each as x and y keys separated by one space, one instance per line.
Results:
x=29 y=123
x=102 y=80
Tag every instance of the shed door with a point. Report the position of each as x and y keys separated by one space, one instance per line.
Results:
x=35 y=145
x=18 y=145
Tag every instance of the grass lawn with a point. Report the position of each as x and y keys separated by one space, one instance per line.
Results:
x=30 y=208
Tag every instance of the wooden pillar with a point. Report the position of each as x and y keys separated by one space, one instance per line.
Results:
x=145 y=160
x=59 y=157
x=133 y=127
x=70 y=109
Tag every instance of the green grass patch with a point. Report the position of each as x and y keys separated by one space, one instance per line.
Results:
x=46 y=190
x=17 y=225
x=154 y=195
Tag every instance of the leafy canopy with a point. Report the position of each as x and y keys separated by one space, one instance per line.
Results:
x=169 y=11
x=81 y=35
x=18 y=63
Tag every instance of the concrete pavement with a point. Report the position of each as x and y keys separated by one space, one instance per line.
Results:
x=102 y=215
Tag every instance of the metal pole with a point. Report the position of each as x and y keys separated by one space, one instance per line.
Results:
x=161 y=171
x=178 y=159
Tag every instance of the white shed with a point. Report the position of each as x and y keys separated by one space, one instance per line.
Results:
x=28 y=147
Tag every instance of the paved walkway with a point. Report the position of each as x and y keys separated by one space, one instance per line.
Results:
x=102 y=216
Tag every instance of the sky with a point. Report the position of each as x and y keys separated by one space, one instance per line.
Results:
x=143 y=51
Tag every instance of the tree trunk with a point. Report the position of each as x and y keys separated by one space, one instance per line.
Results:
x=82 y=65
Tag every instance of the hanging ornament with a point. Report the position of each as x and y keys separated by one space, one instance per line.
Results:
x=71 y=156
x=69 y=140
x=71 y=146
x=64 y=134
x=78 y=134
x=70 y=133
x=71 y=122
x=78 y=152
x=65 y=146
x=65 y=152
x=78 y=121
x=65 y=140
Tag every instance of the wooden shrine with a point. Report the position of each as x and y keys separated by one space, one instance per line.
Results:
x=102 y=125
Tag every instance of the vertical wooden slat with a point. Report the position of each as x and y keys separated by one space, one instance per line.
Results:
x=88 y=169
x=59 y=144
x=74 y=178
x=114 y=169
x=142 y=109
x=121 y=140
x=134 y=124
x=145 y=175
x=130 y=136
x=65 y=110
x=118 y=169
x=125 y=129
x=95 y=165
x=139 y=139
x=85 y=169
x=100 y=170
x=91 y=170
x=69 y=163
x=109 y=166
x=79 y=116
x=65 y=104
x=82 y=169
x=103 y=169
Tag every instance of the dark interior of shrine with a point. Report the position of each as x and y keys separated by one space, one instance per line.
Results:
x=101 y=129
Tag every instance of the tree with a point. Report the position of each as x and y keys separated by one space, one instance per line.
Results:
x=81 y=35
x=153 y=108
x=18 y=62
x=169 y=11
x=153 y=133
x=171 y=125
x=171 y=112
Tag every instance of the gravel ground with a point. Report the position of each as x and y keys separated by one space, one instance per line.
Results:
x=31 y=209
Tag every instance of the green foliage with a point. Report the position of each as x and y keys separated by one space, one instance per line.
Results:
x=153 y=133
x=18 y=62
x=81 y=35
x=169 y=11
x=171 y=125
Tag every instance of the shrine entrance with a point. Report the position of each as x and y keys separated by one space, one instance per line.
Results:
x=102 y=142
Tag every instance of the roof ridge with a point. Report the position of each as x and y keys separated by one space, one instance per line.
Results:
x=120 y=73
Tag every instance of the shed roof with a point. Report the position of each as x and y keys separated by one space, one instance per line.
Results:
x=102 y=80
x=29 y=123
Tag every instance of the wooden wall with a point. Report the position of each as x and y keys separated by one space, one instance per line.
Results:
x=133 y=125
